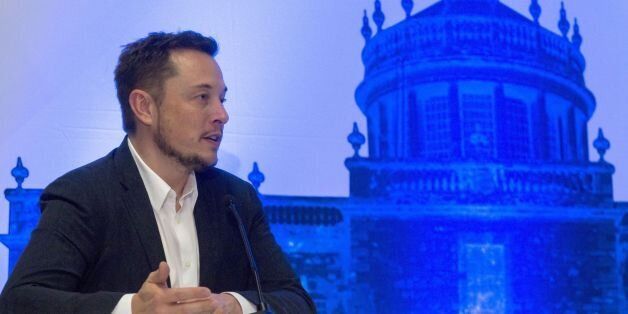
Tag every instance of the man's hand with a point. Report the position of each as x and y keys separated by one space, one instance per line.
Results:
x=224 y=303
x=155 y=297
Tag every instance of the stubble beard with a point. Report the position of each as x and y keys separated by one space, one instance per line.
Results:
x=192 y=162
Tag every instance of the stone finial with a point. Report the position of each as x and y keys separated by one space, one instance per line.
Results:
x=576 y=38
x=601 y=144
x=535 y=10
x=378 y=15
x=19 y=173
x=563 y=23
x=407 y=7
x=256 y=177
x=356 y=139
x=366 y=28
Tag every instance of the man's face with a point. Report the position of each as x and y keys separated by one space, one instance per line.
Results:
x=191 y=115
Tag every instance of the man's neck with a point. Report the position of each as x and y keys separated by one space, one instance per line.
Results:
x=166 y=167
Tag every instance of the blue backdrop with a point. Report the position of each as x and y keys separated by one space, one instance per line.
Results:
x=478 y=122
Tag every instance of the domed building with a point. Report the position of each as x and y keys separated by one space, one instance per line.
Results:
x=477 y=194
x=479 y=101
x=477 y=127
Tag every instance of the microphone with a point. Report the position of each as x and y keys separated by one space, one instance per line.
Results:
x=229 y=202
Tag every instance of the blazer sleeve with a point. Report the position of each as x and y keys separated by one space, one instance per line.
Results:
x=282 y=289
x=47 y=277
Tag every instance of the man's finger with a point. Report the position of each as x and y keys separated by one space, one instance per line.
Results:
x=206 y=305
x=183 y=295
x=160 y=275
x=193 y=300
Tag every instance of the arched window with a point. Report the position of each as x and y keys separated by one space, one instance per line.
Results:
x=437 y=121
x=514 y=130
x=478 y=126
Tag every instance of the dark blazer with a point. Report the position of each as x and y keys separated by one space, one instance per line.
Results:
x=97 y=239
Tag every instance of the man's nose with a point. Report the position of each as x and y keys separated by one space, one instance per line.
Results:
x=221 y=115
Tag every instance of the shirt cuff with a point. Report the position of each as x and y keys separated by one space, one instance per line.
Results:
x=246 y=305
x=124 y=305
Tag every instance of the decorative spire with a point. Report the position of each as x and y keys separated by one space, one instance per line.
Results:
x=407 y=6
x=366 y=28
x=19 y=173
x=601 y=144
x=535 y=10
x=356 y=139
x=256 y=177
x=576 y=38
x=378 y=15
x=563 y=23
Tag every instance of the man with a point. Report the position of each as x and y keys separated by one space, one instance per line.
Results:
x=145 y=229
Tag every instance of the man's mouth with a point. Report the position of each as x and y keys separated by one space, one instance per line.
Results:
x=214 y=137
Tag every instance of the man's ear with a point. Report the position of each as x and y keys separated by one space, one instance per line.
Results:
x=143 y=106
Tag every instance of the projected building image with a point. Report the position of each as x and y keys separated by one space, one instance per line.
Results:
x=475 y=194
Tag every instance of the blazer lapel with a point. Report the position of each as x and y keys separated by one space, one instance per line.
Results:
x=135 y=199
x=208 y=222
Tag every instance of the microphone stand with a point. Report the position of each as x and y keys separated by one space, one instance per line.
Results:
x=262 y=308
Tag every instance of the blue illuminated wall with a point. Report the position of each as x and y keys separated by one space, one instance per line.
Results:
x=476 y=192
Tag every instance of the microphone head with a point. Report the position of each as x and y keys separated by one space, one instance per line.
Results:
x=228 y=200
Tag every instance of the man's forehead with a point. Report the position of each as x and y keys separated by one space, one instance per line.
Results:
x=197 y=67
x=190 y=56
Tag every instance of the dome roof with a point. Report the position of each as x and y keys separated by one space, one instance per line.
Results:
x=475 y=39
x=485 y=29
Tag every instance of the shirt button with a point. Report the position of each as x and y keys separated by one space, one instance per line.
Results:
x=187 y=264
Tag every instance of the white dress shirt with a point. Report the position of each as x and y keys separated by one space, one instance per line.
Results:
x=177 y=230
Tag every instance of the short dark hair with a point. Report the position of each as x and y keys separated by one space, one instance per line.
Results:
x=145 y=64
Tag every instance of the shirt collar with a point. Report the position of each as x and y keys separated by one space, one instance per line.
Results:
x=156 y=187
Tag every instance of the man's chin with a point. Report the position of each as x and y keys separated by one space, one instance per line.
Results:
x=195 y=162
x=200 y=164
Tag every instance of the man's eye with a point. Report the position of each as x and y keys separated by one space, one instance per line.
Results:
x=203 y=96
